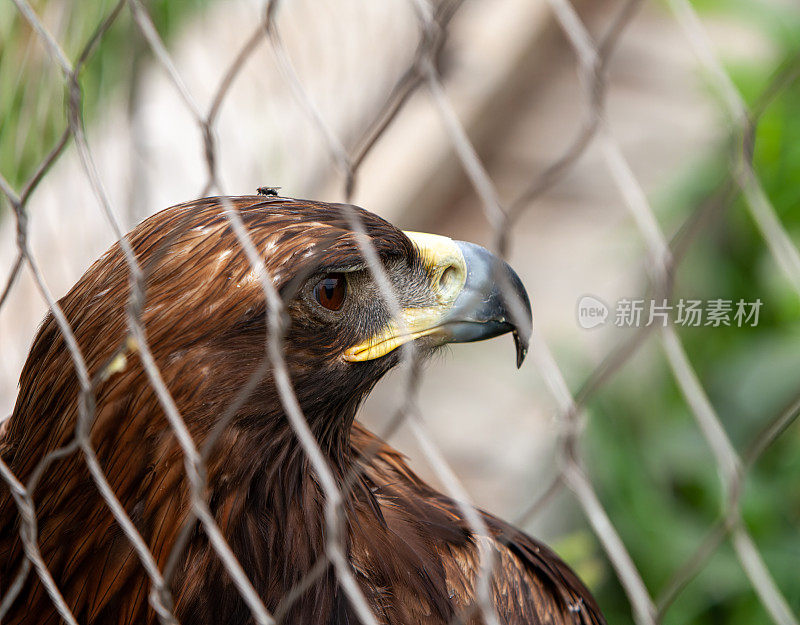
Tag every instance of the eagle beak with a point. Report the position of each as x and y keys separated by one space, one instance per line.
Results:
x=477 y=296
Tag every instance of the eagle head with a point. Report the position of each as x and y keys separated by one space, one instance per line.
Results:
x=204 y=314
x=202 y=307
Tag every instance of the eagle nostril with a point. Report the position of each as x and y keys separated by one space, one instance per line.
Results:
x=448 y=279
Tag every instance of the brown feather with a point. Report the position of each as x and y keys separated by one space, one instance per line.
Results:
x=411 y=551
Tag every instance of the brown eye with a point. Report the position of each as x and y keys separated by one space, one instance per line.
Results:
x=330 y=291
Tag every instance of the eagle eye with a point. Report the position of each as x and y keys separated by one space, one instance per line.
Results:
x=330 y=291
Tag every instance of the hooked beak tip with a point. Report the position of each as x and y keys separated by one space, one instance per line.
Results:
x=521 y=347
x=494 y=296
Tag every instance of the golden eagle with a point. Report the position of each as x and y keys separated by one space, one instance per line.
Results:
x=410 y=549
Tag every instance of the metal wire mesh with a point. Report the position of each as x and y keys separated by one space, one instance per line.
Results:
x=421 y=75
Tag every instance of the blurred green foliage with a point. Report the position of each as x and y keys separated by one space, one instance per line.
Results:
x=653 y=469
x=33 y=95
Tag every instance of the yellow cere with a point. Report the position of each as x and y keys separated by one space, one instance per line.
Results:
x=444 y=261
x=448 y=274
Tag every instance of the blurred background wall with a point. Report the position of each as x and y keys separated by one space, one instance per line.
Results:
x=512 y=76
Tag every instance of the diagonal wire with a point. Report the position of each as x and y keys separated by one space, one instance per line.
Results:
x=574 y=475
x=782 y=78
x=137 y=332
x=339 y=155
x=148 y=29
x=776 y=426
x=334 y=548
x=150 y=33
x=708 y=421
x=297 y=420
x=194 y=466
x=86 y=396
x=761 y=209
x=333 y=496
x=576 y=480
x=597 y=89
x=335 y=147
x=29 y=540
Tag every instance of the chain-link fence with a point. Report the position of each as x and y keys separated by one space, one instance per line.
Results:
x=423 y=73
